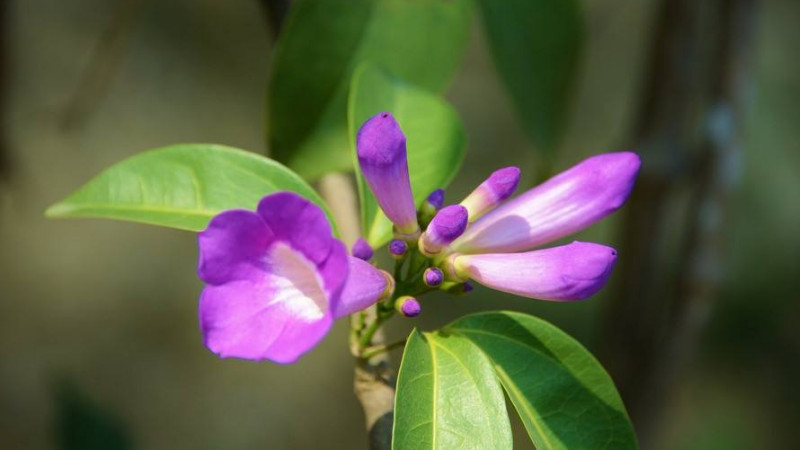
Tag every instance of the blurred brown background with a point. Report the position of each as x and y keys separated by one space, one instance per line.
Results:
x=98 y=319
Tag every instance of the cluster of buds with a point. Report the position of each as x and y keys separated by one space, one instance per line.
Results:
x=488 y=238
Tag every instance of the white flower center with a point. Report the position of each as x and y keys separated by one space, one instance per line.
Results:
x=297 y=284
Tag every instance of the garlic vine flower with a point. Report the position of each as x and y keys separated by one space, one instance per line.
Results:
x=276 y=279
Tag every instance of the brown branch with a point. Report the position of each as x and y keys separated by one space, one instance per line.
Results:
x=275 y=12
x=102 y=66
x=5 y=157
x=374 y=378
x=689 y=134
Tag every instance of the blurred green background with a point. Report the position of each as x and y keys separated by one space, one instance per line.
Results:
x=98 y=326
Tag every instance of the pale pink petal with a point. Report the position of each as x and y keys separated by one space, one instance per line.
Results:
x=279 y=317
x=365 y=285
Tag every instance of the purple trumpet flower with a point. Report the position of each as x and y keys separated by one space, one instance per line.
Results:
x=447 y=225
x=381 y=149
x=498 y=187
x=276 y=279
x=563 y=205
x=566 y=273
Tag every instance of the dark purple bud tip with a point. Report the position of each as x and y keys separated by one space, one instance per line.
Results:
x=436 y=199
x=449 y=223
x=398 y=247
x=408 y=306
x=380 y=141
x=433 y=276
x=503 y=182
x=362 y=250
x=468 y=287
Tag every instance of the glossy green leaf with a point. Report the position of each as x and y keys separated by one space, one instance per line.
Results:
x=434 y=135
x=421 y=41
x=563 y=395
x=535 y=46
x=448 y=397
x=181 y=186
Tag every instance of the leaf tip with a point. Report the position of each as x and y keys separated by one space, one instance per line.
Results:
x=57 y=210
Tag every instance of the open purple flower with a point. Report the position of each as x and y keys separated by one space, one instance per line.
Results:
x=276 y=279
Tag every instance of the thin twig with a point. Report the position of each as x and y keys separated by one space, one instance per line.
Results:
x=102 y=66
x=374 y=379
x=5 y=156
x=380 y=349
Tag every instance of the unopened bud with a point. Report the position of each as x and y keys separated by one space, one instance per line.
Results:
x=436 y=199
x=448 y=224
x=430 y=206
x=381 y=151
x=433 y=277
x=362 y=250
x=408 y=306
x=461 y=288
x=498 y=187
x=398 y=248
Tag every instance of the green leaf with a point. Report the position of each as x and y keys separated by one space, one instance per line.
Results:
x=535 y=45
x=421 y=41
x=434 y=134
x=181 y=186
x=564 y=397
x=448 y=397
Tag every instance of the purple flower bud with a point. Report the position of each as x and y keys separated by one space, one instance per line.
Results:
x=562 y=205
x=433 y=276
x=460 y=288
x=398 y=247
x=566 y=273
x=408 y=306
x=381 y=149
x=448 y=224
x=362 y=250
x=430 y=206
x=436 y=199
x=498 y=187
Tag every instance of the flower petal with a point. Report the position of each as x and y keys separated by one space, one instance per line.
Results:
x=298 y=221
x=569 y=272
x=232 y=247
x=303 y=225
x=333 y=272
x=279 y=317
x=563 y=205
x=365 y=285
x=362 y=250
